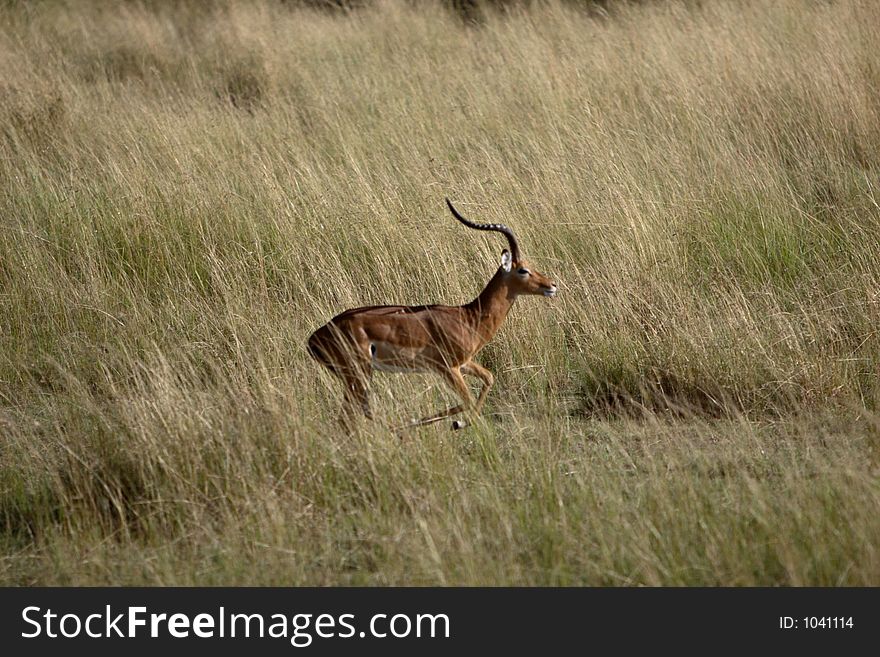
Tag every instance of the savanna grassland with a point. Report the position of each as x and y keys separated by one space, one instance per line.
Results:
x=187 y=191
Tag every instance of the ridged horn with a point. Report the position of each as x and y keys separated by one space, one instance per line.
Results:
x=498 y=228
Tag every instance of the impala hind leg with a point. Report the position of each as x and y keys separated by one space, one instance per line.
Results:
x=355 y=398
x=437 y=417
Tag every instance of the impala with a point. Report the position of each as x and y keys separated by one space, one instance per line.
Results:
x=441 y=339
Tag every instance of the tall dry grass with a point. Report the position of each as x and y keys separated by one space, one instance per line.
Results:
x=188 y=191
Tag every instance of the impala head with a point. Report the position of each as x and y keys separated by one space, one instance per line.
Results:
x=519 y=275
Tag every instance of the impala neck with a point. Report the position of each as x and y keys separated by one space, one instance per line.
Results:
x=491 y=307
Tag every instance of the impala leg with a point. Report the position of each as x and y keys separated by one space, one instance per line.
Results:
x=477 y=370
x=456 y=381
x=437 y=417
x=356 y=397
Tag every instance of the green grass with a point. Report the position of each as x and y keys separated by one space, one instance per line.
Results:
x=187 y=192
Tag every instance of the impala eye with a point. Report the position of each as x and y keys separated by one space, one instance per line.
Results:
x=522 y=271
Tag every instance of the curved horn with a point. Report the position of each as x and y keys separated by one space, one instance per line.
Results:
x=498 y=228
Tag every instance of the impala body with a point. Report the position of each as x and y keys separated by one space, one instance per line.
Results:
x=436 y=338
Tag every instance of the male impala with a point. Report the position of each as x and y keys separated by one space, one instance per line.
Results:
x=441 y=339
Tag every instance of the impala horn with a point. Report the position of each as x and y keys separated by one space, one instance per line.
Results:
x=498 y=228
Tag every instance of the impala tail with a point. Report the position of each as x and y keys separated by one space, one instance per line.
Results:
x=319 y=347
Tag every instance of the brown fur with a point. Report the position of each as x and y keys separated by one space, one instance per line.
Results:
x=441 y=339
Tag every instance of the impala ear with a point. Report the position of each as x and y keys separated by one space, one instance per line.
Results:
x=506 y=260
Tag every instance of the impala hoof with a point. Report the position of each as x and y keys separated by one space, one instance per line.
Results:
x=459 y=424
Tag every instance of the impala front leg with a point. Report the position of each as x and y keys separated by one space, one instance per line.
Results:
x=477 y=370
x=456 y=381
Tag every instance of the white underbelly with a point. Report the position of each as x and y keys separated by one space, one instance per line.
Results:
x=395 y=368
x=383 y=359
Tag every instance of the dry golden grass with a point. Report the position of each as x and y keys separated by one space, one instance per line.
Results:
x=187 y=192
